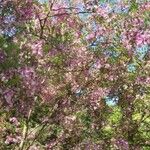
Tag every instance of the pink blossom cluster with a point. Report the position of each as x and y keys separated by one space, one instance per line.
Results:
x=12 y=139
x=30 y=80
x=37 y=48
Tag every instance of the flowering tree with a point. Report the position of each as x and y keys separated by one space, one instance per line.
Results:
x=74 y=74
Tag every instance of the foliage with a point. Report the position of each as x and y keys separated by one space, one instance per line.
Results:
x=74 y=75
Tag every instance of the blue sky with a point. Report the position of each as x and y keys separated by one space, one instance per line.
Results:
x=42 y=1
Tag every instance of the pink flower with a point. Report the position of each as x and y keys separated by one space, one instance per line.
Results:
x=10 y=139
x=137 y=22
x=98 y=64
x=48 y=93
x=37 y=48
x=104 y=11
x=27 y=11
x=14 y=121
x=8 y=95
x=145 y=6
x=60 y=11
x=122 y=144
x=101 y=30
x=71 y=22
x=27 y=72
x=91 y=36
x=143 y=80
x=96 y=95
x=148 y=80
x=143 y=38
x=30 y=80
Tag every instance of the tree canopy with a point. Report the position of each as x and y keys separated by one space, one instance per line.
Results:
x=74 y=75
